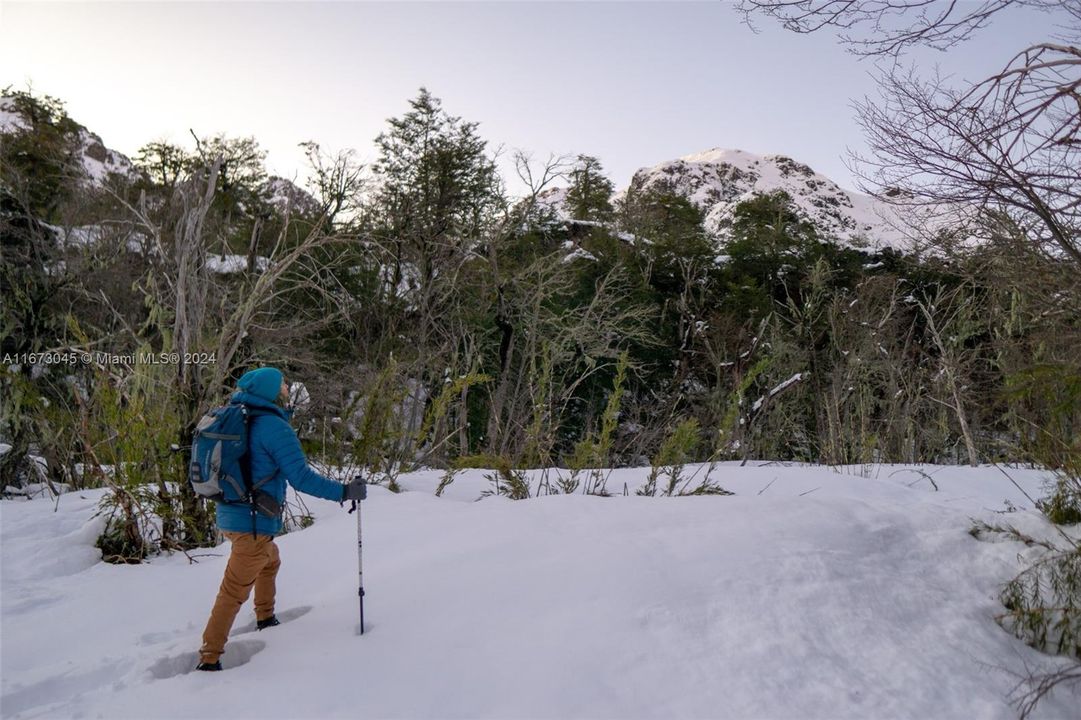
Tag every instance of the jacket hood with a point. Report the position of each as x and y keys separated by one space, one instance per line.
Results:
x=264 y=382
x=254 y=401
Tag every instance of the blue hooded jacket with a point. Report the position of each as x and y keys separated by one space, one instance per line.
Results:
x=275 y=452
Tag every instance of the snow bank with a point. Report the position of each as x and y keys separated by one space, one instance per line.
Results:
x=811 y=593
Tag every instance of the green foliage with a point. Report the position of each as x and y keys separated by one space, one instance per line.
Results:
x=38 y=162
x=1043 y=604
x=128 y=427
x=595 y=451
x=129 y=535
x=506 y=480
x=772 y=256
x=670 y=240
x=512 y=485
x=38 y=178
x=590 y=192
x=568 y=485
x=610 y=417
x=708 y=486
x=164 y=163
x=731 y=424
x=379 y=431
x=1063 y=506
x=445 y=481
x=469 y=307
x=672 y=456
x=242 y=171
x=437 y=181
x=540 y=435
x=437 y=410
x=1051 y=391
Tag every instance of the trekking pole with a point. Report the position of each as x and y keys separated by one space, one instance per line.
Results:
x=360 y=564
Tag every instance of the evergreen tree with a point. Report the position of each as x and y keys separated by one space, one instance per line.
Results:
x=438 y=187
x=769 y=247
x=669 y=235
x=438 y=194
x=590 y=193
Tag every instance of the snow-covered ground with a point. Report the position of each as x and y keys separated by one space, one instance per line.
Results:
x=809 y=593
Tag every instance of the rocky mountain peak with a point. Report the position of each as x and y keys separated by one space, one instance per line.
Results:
x=718 y=179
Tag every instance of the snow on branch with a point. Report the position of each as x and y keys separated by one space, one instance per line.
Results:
x=777 y=390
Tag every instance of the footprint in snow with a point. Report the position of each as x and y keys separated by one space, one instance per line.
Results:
x=284 y=616
x=65 y=686
x=237 y=653
x=154 y=638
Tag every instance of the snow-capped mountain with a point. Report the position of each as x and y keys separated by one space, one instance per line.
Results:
x=284 y=194
x=100 y=162
x=717 y=180
x=96 y=161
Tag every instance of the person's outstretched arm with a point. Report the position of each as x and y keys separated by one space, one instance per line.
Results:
x=285 y=448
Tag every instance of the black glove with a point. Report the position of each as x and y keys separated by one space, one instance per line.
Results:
x=356 y=490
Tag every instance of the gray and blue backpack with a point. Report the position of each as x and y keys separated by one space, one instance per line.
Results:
x=221 y=462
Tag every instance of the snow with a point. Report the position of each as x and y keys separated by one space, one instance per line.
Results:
x=10 y=119
x=98 y=170
x=226 y=264
x=779 y=388
x=285 y=195
x=576 y=252
x=812 y=592
x=552 y=201
x=718 y=180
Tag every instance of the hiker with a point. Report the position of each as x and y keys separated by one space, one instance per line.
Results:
x=275 y=453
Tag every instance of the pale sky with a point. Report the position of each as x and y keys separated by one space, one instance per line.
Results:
x=631 y=83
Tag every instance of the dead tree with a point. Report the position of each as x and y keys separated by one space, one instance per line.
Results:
x=1010 y=143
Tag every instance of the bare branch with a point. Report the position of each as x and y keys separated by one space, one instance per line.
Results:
x=878 y=28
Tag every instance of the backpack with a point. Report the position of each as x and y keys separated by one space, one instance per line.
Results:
x=220 y=462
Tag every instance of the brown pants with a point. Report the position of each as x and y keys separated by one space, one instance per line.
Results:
x=253 y=562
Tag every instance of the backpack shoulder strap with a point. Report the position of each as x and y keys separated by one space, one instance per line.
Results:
x=245 y=459
x=251 y=483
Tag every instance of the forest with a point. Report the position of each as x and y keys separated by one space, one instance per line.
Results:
x=428 y=318
x=444 y=304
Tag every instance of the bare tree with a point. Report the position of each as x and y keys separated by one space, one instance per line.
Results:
x=1010 y=143
x=537 y=178
x=948 y=334
x=889 y=27
x=337 y=181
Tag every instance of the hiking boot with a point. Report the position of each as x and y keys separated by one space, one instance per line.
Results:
x=268 y=623
x=210 y=667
